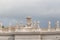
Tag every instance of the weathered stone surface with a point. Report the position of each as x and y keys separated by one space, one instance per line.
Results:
x=6 y=37
x=27 y=37
x=30 y=36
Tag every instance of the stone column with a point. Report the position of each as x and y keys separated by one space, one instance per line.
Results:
x=57 y=26
x=49 y=26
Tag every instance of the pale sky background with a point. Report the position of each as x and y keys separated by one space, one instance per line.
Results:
x=18 y=10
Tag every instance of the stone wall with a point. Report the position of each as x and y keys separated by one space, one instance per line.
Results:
x=6 y=37
x=51 y=37
x=27 y=37
x=30 y=36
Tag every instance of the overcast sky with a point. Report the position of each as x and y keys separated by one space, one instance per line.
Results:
x=41 y=9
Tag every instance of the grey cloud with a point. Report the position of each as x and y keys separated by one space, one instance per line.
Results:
x=29 y=7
